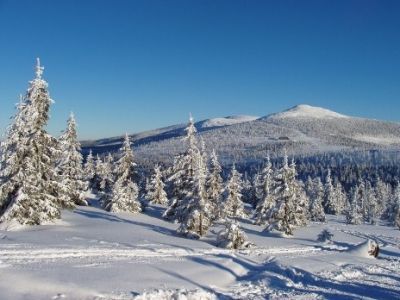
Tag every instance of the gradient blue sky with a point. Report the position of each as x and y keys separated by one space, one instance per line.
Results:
x=127 y=66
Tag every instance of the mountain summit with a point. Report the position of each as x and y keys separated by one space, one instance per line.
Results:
x=306 y=111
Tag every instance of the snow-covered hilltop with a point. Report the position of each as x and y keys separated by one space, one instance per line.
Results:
x=306 y=111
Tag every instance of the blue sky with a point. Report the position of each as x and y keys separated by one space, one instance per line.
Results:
x=128 y=66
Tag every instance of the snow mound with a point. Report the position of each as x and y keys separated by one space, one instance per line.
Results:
x=364 y=249
x=226 y=121
x=306 y=111
x=182 y=294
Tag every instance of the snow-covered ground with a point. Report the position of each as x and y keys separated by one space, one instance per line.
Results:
x=93 y=254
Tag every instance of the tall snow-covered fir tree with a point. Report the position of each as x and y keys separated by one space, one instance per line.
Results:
x=301 y=202
x=353 y=210
x=183 y=173
x=90 y=169
x=289 y=208
x=341 y=197
x=264 y=193
x=30 y=186
x=316 y=199
x=369 y=205
x=98 y=173
x=233 y=204
x=124 y=195
x=106 y=174
x=196 y=215
x=70 y=167
x=394 y=210
x=331 y=200
x=382 y=190
x=215 y=187
x=155 y=188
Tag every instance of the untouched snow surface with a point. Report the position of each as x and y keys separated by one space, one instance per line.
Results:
x=94 y=254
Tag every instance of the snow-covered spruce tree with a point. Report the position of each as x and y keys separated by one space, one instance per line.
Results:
x=214 y=186
x=90 y=169
x=264 y=193
x=341 y=197
x=29 y=182
x=197 y=210
x=394 y=207
x=98 y=172
x=232 y=237
x=383 y=192
x=316 y=209
x=369 y=204
x=124 y=195
x=70 y=167
x=183 y=173
x=155 y=188
x=288 y=210
x=330 y=200
x=353 y=211
x=233 y=204
x=106 y=174
x=301 y=203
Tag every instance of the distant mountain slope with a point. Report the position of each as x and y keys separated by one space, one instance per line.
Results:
x=226 y=121
x=302 y=129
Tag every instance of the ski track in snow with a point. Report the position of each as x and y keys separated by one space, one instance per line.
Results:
x=26 y=254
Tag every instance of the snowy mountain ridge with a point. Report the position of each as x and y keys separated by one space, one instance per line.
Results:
x=303 y=129
x=226 y=121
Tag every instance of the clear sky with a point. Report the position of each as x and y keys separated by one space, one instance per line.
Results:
x=128 y=66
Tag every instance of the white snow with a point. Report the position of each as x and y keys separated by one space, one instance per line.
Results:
x=307 y=111
x=95 y=254
x=226 y=121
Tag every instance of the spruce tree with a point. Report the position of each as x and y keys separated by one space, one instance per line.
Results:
x=124 y=195
x=353 y=211
x=197 y=213
x=98 y=174
x=264 y=193
x=106 y=174
x=341 y=197
x=215 y=187
x=232 y=237
x=316 y=209
x=90 y=169
x=330 y=200
x=394 y=212
x=233 y=204
x=369 y=204
x=30 y=186
x=70 y=167
x=182 y=179
x=288 y=210
x=155 y=188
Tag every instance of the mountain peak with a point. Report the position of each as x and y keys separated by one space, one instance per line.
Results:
x=307 y=111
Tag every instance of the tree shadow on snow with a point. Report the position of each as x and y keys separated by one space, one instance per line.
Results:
x=192 y=282
x=114 y=218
